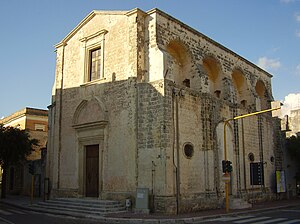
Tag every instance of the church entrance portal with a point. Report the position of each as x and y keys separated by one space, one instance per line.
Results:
x=92 y=171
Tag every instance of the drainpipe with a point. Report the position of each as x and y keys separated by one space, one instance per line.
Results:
x=176 y=146
x=244 y=159
x=178 y=164
x=137 y=104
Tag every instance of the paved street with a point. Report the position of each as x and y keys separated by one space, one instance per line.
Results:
x=16 y=210
x=13 y=215
x=278 y=216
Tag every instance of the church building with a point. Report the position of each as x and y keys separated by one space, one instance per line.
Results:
x=139 y=102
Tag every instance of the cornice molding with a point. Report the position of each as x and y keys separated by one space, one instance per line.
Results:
x=85 y=21
x=99 y=33
x=136 y=11
x=74 y=31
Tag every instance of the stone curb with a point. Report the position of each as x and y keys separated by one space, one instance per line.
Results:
x=112 y=220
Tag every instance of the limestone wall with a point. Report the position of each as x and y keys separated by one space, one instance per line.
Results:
x=76 y=103
x=157 y=112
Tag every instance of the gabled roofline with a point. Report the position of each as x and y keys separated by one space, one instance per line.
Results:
x=158 y=11
x=85 y=21
x=135 y=11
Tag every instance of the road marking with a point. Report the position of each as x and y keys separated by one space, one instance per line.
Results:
x=271 y=221
x=291 y=221
x=16 y=211
x=5 y=212
x=252 y=219
x=225 y=219
x=291 y=210
x=6 y=221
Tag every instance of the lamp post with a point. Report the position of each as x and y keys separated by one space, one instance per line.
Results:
x=225 y=149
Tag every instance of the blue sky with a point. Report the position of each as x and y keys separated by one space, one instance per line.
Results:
x=266 y=33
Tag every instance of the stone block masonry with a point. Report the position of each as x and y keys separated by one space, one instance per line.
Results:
x=155 y=114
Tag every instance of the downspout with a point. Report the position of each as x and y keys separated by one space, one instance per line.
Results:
x=60 y=115
x=244 y=159
x=137 y=136
x=178 y=164
x=173 y=145
x=176 y=145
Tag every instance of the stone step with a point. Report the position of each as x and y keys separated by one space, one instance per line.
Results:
x=82 y=211
x=87 y=200
x=99 y=204
x=79 y=207
x=72 y=213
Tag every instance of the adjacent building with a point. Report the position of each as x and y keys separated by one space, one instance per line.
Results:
x=291 y=127
x=18 y=177
x=293 y=122
x=140 y=100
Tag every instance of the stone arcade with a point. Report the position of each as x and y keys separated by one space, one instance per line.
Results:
x=139 y=101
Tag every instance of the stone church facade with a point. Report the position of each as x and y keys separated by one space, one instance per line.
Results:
x=139 y=101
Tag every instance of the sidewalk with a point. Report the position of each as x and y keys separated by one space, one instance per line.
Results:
x=130 y=217
x=214 y=213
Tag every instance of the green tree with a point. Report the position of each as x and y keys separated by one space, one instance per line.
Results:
x=15 y=146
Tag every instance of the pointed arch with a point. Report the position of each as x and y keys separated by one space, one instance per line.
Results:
x=90 y=111
x=242 y=95
x=213 y=70
x=262 y=101
x=260 y=88
x=179 y=63
x=78 y=110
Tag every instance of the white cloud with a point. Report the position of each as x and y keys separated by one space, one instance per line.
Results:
x=291 y=102
x=268 y=63
x=297 y=17
x=298 y=69
x=287 y=1
x=298 y=33
x=275 y=49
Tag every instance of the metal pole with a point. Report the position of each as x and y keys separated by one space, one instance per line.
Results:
x=254 y=113
x=226 y=174
x=225 y=148
x=32 y=189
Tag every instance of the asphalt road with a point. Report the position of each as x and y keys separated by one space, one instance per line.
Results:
x=13 y=215
x=278 y=216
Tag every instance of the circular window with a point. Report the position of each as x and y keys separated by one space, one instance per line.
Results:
x=251 y=156
x=188 y=150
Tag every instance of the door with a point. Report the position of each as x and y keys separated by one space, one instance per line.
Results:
x=92 y=171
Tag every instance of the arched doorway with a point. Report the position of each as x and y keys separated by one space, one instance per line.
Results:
x=90 y=123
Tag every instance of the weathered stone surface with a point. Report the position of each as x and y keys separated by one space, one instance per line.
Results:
x=165 y=86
